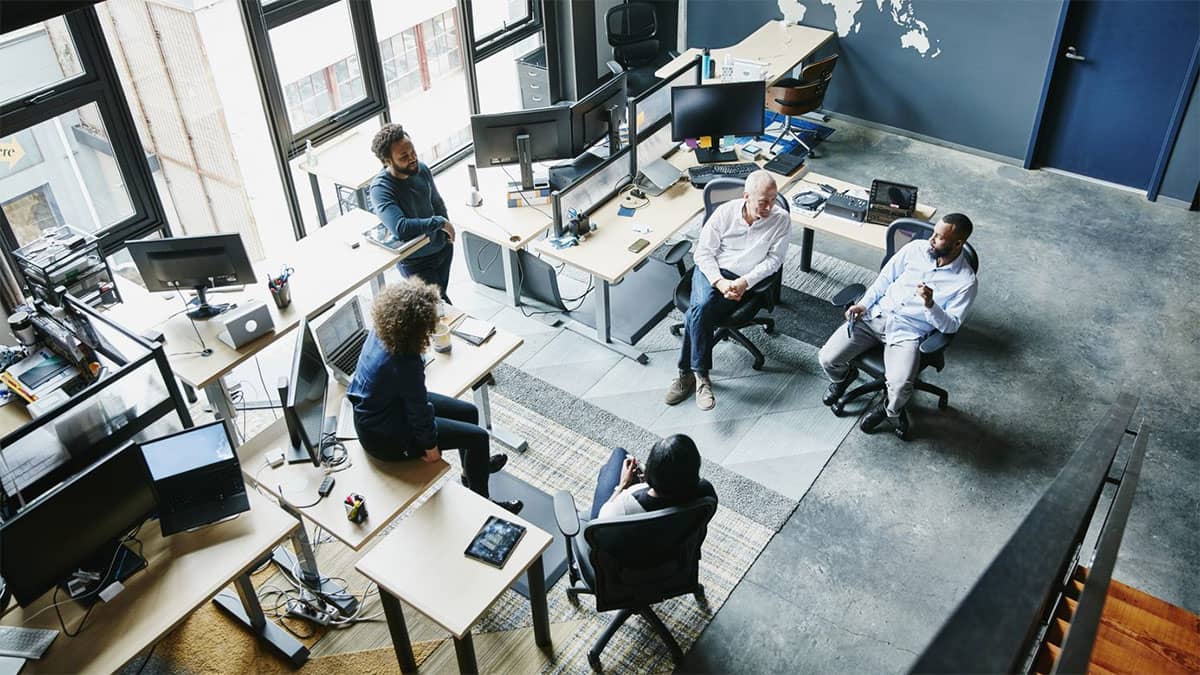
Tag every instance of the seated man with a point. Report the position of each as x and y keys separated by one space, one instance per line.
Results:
x=672 y=477
x=743 y=242
x=405 y=198
x=925 y=286
x=395 y=416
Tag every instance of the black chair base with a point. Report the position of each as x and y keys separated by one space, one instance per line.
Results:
x=878 y=384
x=613 y=626
x=735 y=333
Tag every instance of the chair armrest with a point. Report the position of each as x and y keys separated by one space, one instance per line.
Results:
x=565 y=514
x=762 y=286
x=849 y=295
x=614 y=67
x=935 y=342
x=675 y=254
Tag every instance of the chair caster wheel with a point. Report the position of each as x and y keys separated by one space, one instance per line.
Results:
x=594 y=662
x=837 y=408
x=769 y=330
x=676 y=330
x=943 y=403
x=757 y=365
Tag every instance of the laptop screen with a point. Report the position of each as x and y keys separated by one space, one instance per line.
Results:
x=345 y=322
x=190 y=449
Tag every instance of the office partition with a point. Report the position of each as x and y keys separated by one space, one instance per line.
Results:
x=650 y=113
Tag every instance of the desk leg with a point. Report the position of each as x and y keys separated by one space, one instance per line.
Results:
x=537 y=603
x=512 y=286
x=218 y=398
x=304 y=561
x=399 y=630
x=377 y=283
x=603 y=332
x=806 y=247
x=250 y=614
x=464 y=649
x=503 y=436
x=316 y=190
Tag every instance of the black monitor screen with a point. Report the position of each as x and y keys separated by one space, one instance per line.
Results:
x=306 y=390
x=495 y=135
x=188 y=450
x=590 y=116
x=208 y=260
x=51 y=537
x=730 y=109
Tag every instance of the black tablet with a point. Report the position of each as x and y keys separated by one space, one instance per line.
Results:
x=495 y=541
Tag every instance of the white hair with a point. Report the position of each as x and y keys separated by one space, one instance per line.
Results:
x=757 y=182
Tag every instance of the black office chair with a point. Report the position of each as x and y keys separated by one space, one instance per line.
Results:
x=933 y=346
x=632 y=31
x=763 y=296
x=632 y=562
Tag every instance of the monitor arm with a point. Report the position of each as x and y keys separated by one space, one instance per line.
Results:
x=614 y=129
x=525 y=159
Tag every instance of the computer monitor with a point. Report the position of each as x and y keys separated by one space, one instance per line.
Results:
x=200 y=262
x=522 y=137
x=728 y=109
x=593 y=117
x=79 y=525
x=304 y=405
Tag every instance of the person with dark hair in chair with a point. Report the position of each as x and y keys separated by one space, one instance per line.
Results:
x=671 y=477
x=926 y=286
x=406 y=199
x=395 y=416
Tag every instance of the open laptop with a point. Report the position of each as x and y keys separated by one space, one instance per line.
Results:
x=341 y=338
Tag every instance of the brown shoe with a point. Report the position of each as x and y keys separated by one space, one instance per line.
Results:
x=704 y=397
x=681 y=388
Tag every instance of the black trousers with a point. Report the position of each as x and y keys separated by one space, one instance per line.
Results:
x=432 y=269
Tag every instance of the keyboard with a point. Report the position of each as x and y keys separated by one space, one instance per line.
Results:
x=347 y=358
x=700 y=175
x=26 y=643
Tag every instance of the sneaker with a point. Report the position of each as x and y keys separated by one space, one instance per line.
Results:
x=704 y=397
x=874 y=418
x=836 y=389
x=513 y=506
x=901 y=426
x=497 y=462
x=681 y=388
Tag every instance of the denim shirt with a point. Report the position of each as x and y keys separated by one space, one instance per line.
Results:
x=390 y=401
x=893 y=296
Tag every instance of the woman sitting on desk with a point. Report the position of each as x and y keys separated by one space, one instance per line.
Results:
x=396 y=418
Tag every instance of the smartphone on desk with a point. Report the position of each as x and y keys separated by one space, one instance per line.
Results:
x=637 y=246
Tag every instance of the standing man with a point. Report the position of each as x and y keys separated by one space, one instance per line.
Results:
x=743 y=242
x=925 y=286
x=405 y=198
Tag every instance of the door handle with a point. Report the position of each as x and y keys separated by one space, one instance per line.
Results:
x=1073 y=55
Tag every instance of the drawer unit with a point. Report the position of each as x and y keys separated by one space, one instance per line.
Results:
x=534 y=79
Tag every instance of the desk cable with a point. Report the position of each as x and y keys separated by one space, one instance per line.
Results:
x=523 y=197
x=204 y=349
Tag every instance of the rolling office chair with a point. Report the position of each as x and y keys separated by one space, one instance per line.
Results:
x=632 y=562
x=632 y=31
x=933 y=346
x=764 y=295
x=792 y=97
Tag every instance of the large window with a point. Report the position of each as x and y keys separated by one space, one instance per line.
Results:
x=494 y=20
x=441 y=44
x=47 y=57
x=402 y=72
x=308 y=99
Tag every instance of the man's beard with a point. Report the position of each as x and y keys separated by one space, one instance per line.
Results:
x=406 y=170
x=939 y=252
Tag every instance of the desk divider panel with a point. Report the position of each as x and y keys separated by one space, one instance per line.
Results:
x=650 y=114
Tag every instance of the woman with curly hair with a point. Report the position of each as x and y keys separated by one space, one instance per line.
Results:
x=395 y=416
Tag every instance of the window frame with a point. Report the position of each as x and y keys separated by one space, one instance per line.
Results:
x=487 y=45
x=97 y=85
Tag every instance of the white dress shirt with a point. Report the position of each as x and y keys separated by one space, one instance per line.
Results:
x=893 y=296
x=752 y=251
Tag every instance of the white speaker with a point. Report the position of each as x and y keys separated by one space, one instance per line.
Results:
x=475 y=198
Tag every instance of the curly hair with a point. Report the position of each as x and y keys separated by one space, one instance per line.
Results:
x=381 y=145
x=405 y=315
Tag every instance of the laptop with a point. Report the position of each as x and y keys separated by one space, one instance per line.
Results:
x=341 y=338
x=197 y=477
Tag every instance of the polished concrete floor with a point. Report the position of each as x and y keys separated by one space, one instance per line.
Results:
x=1085 y=291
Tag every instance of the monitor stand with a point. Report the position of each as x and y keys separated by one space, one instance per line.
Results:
x=117 y=559
x=204 y=310
x=713 y=155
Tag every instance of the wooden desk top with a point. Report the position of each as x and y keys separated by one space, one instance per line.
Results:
x=421 y=561
x=390 y=487
x=326 y=269
x=781 y=46
x=493 y=220
x=870 y=234
x=185 y=570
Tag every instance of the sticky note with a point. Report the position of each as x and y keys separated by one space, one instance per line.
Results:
x=705 y=141
x=625 y=211
x=641 y=118
x=691 y=143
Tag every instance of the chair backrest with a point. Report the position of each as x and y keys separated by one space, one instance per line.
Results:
x=791 y=96
x=720 y=190
x=904 y=230
x=646 y=558
x=631 y=29
x=821 y=71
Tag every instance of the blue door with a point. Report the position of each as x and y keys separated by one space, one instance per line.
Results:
x=1116 y=79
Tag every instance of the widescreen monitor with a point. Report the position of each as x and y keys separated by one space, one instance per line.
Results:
x=728 y=109
x=522 y=137
x=304 y=408
x=199 y=262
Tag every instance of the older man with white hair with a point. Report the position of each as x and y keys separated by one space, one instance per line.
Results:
x=743 y=242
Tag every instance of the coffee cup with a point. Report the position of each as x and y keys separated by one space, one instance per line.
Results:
x=441 y=338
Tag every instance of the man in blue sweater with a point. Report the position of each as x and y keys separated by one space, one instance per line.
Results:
x=405 y=198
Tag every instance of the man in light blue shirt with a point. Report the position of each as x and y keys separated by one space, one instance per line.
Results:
x=926 y=286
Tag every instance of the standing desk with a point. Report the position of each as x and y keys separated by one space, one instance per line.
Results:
x=780 y=46
x=348 y=164
x=184 y=571
x=326 y=270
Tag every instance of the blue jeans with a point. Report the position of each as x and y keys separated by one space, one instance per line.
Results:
x=706 y=309
x=432 y=269
x=607 y=481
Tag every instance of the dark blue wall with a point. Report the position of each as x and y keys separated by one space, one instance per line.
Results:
x=1183 y=170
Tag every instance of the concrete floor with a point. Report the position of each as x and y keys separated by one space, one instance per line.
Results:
x=1085 y=291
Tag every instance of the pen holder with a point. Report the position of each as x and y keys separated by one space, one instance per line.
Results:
x=281 y=294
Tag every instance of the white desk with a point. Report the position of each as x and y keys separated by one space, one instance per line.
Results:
x=780 y=46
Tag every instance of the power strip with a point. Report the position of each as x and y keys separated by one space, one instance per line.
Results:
x=305 y=611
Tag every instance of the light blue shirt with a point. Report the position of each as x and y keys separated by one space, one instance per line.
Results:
x=893 y=296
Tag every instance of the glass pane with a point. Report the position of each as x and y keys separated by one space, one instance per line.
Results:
x=341 y=165
x=499 y=88
x=492 y=16
x=427 y=90
x=308 y=51
x=47 y=56
x=62 y=172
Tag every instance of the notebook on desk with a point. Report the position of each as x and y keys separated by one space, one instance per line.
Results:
x=473 y=330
